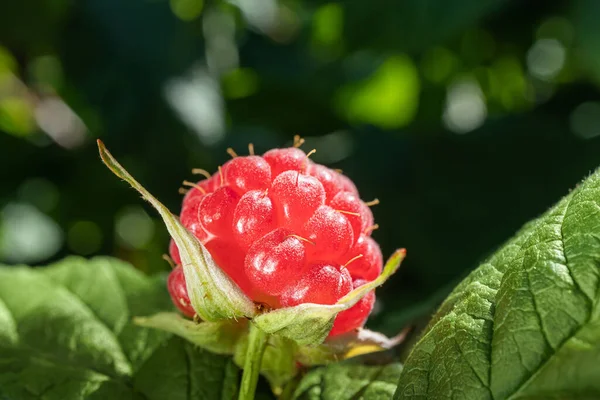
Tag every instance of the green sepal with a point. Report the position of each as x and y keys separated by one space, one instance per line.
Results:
x=213 y=295
x=218 y=337
x=309 y=324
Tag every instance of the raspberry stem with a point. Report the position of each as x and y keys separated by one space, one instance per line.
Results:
x=257 y=343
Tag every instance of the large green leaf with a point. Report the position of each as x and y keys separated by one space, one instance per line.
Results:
x=349 y=381
x=66 y=332
x=526 y=323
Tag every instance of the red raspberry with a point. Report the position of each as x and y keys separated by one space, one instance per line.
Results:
x=275 y=260
x=174 y=253
x=215 y=211
x=296 y=197
x=254 y=217
x=368 y=266
x=347 y=184
x=323 y=283
x=200 y=189
x=329 y=179
x=330 y=232
x=282 y=227
x=247 y=173
x=230 y=257
x=178 y=291
x=355 y=210
x=356 y=316
x=189 y=217
x=288 y=159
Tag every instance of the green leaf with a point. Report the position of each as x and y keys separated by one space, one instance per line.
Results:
x=349 y=381
x=213 y=294
x=218 y=337
x=526 y=323
x=292 y=322
x=180 y=371
x=115 y=293
x=66 y=332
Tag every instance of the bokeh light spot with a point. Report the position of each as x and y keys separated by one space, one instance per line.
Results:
x=47 y=72
x=546 y=58
x=8 y=64
x=40 y=192
x=438 y=64
x=388 y=99
x=187 y=10
x=465 y=107
x=509 y=85
x=134 y=227
x=260 y=14
x=239 y=83
x=558 y=28
x=328 y=24
x=84 y=237
x=16 y=116
x=198 y=102
x=585 y=120
x=27 y=235
x=61 y=123
x=331 y=148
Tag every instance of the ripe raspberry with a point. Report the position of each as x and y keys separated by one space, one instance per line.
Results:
x=329 y=179
x=283 y=228
x=290 y=159
x=323 y=283
x=189 y=217
x=178 y=291
x=247 y=173
x=174 y=253
x=228 y=255
x=356 y=316
x=296 y=197
x=330 y=232
x=347 y=184
x=254 y=217
x=355 y=210
x=368 y=266
x=275 y=260
x=215 y=211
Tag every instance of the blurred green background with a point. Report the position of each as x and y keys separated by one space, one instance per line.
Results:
x=465 y=118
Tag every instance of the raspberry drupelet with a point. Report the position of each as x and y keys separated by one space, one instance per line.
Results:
x=286 y=230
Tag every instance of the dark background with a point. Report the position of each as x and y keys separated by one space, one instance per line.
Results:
x=465 y=118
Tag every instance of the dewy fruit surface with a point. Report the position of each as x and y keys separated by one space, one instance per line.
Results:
x=286 y=230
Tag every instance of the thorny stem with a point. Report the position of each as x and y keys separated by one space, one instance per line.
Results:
x=257 y=343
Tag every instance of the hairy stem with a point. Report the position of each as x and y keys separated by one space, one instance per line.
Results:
x=257 y=342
